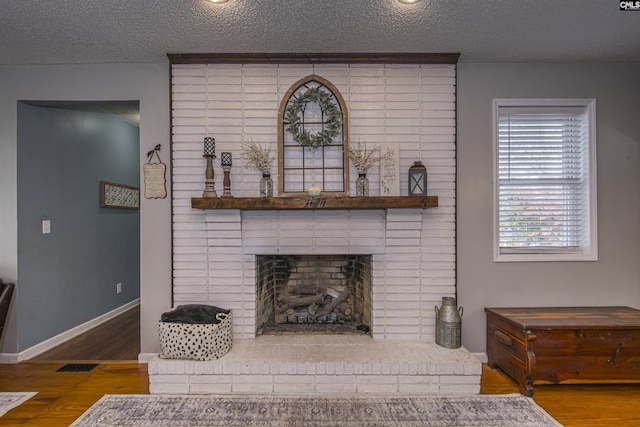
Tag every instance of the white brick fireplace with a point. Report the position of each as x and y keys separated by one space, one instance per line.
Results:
x=412 y=250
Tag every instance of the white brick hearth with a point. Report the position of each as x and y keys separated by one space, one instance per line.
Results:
x=411 y=106
x=320 y=364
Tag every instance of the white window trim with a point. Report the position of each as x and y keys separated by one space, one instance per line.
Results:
x=589 y=253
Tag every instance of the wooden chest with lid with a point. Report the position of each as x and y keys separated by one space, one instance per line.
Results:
x=564 y=345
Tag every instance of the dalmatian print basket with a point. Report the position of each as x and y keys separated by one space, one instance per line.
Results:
x=196 y=341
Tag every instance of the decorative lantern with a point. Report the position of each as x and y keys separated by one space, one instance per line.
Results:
x=417 y=179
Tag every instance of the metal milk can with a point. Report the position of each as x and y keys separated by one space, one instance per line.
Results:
x=449 y=324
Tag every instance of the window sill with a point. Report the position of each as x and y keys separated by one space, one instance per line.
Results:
x=549 y=257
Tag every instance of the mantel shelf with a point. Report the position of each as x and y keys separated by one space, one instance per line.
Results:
x=299 y=203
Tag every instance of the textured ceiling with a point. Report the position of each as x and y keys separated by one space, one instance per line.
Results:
x=97 y=31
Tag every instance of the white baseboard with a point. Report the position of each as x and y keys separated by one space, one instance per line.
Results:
x=481 y=357
x=8 y=358
x=52 y=342
x=146 y=357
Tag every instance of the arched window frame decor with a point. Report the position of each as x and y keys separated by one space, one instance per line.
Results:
x=313 y=161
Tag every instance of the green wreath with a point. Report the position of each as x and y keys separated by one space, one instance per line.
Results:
x=332 y=124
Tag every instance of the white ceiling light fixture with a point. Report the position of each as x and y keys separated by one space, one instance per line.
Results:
x=408 y=1
x=218 y=1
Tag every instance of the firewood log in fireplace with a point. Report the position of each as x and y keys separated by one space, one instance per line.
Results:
x=333 y=293
x=328 y=308
x=299 y=316
x=313 y=309
x=314 y=304
x=292 y=301
x=345 y=308
x=294 y=316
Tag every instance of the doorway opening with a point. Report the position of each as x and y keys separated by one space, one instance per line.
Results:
x=77 y=262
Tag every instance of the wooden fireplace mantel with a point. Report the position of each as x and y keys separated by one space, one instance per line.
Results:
x=307 y=203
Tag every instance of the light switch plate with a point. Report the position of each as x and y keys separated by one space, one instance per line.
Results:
x=46 y=226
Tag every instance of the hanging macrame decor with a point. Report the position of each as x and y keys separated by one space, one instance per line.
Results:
x=154 y=176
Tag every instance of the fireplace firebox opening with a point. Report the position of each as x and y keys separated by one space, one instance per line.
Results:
x=313 y=294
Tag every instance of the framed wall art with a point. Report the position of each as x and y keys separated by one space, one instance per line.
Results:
x=154 y=176
x=120 y=196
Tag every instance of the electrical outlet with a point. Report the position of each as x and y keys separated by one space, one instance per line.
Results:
x=118 y=288
x=46 y=226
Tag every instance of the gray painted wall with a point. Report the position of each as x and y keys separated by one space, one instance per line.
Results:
x=62 y=157
x=615 y=278
x=148 y=83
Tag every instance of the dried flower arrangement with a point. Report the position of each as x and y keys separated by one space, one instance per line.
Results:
x=364 y=157
x=258 y=157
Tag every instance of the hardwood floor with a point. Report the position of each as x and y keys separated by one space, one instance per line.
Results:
x=116 y=339
x=592 y=405
x=64 y=396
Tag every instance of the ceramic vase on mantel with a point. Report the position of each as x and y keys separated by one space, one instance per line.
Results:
x=362 y=185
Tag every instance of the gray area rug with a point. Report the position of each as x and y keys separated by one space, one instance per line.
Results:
x=9 y=400
x=271 y=411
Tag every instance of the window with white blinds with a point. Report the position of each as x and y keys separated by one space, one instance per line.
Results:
x=545 y=180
